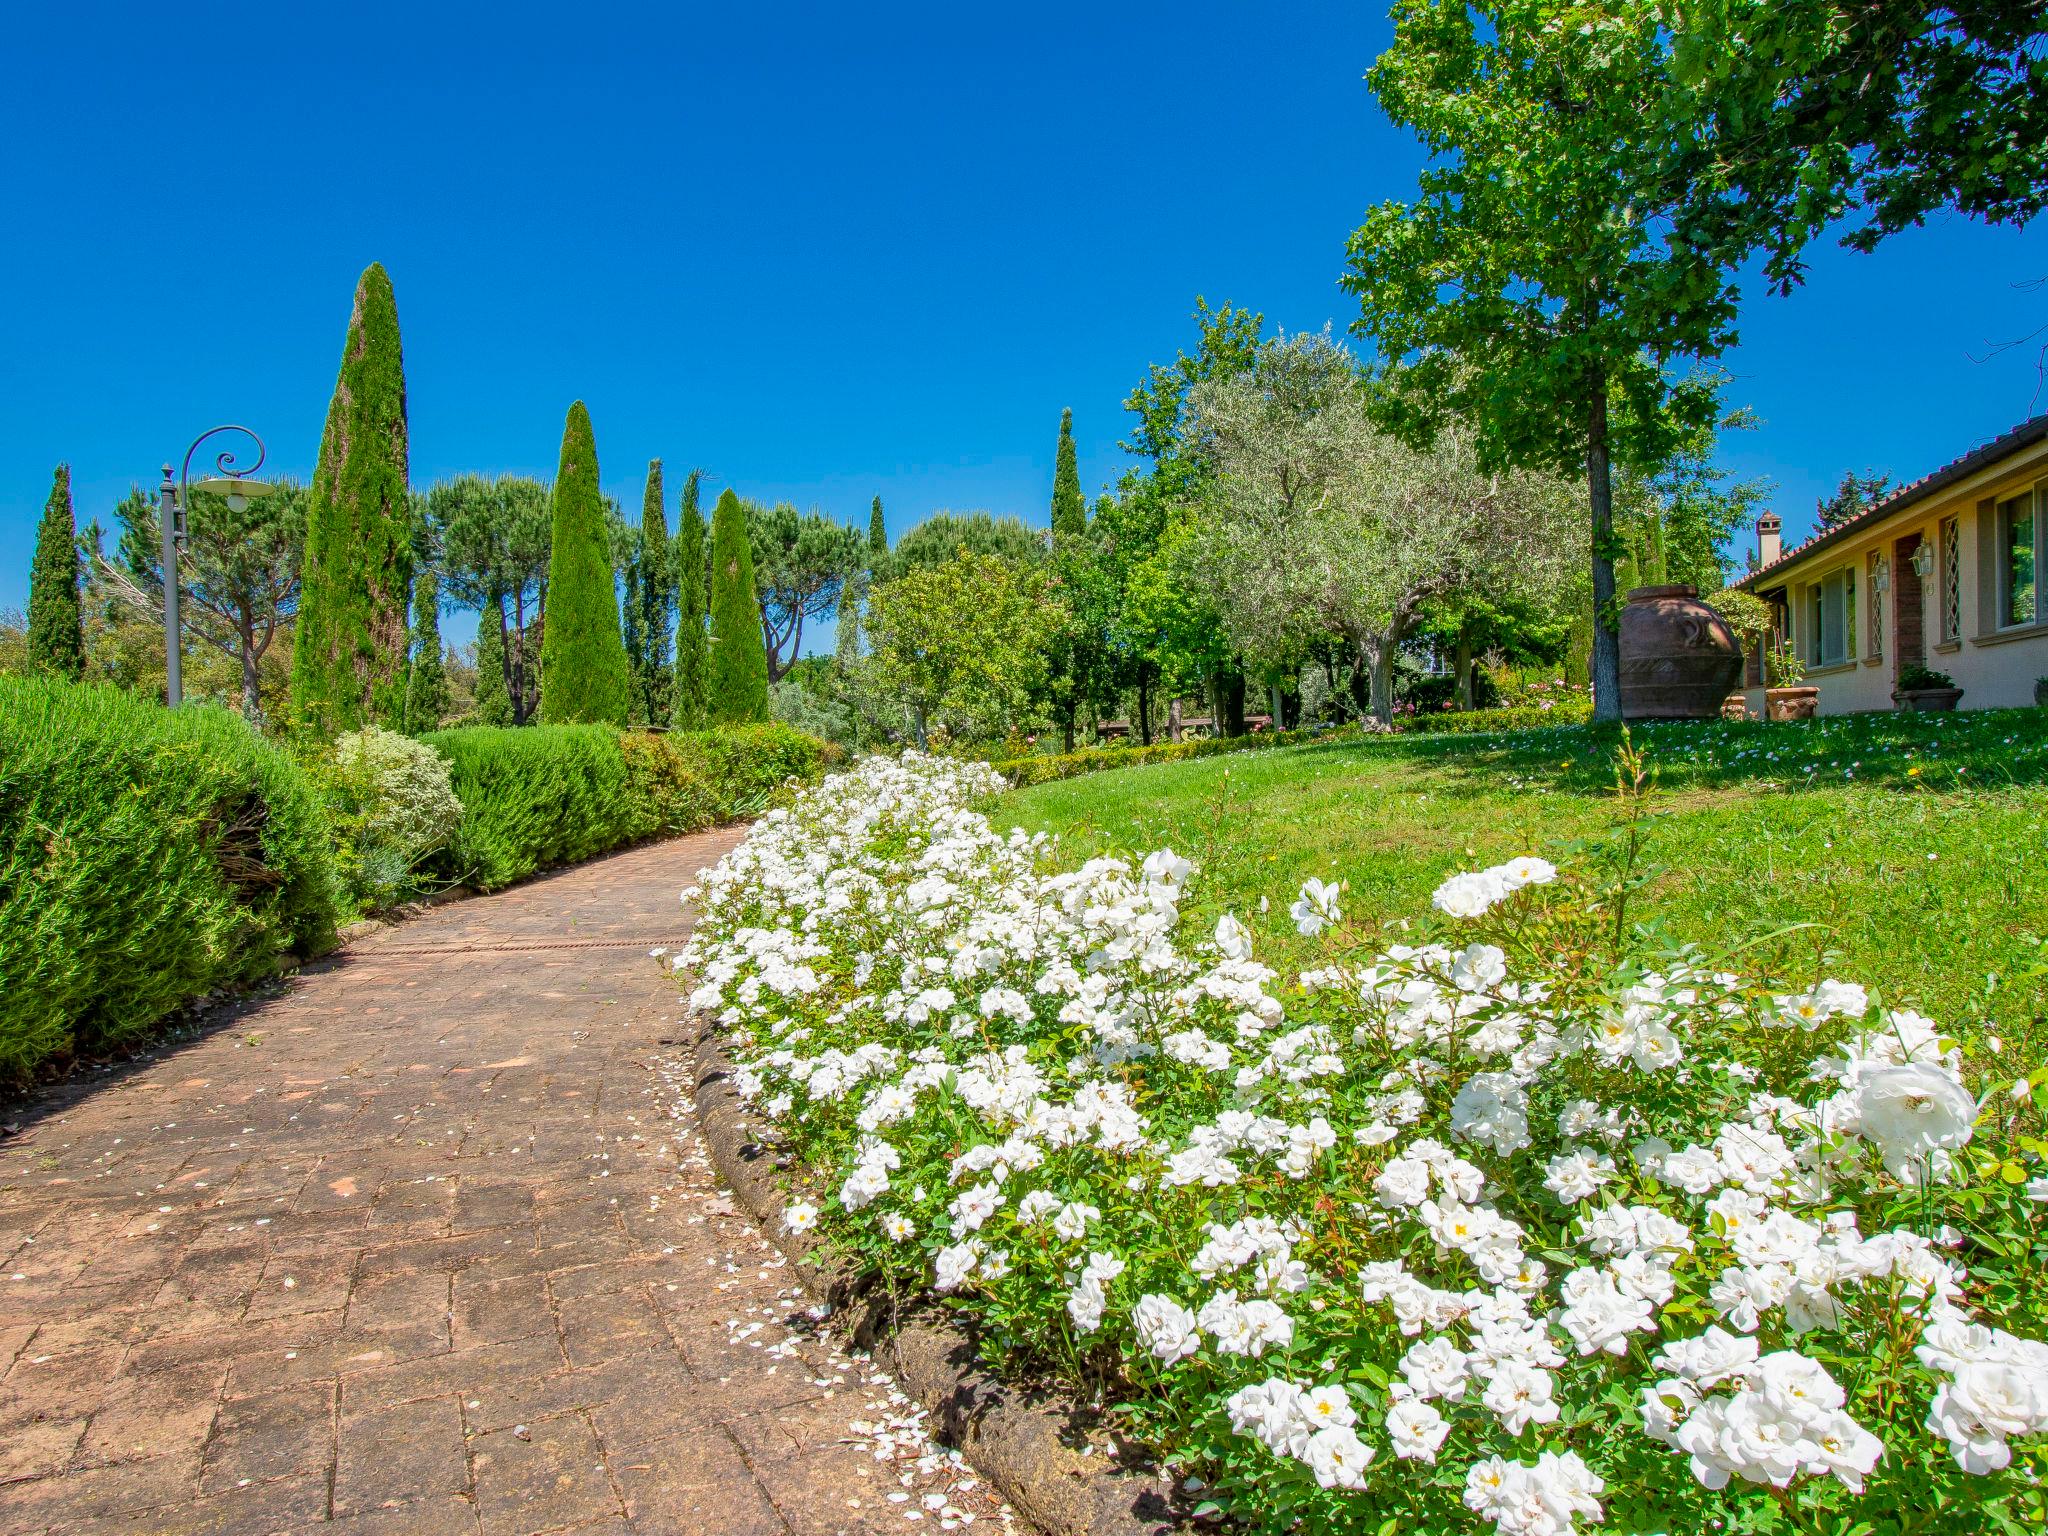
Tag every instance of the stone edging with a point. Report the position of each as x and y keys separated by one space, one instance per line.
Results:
x=1022 y=1445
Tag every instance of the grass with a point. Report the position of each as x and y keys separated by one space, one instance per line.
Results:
x=1908 y=852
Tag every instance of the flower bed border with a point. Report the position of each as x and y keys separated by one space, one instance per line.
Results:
x=1020 y=1442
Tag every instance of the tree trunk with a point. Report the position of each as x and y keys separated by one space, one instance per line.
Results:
x=1067 y=726
x=252 y=697
x=1144 y=705
x=1381 y=659
x=1277 y=702
x=1600 y=492
x=1463 y=663
x=515 y=656
x=1173 y=719
x=1230 y=703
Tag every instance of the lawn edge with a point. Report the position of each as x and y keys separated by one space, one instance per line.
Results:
x=1020 y=1445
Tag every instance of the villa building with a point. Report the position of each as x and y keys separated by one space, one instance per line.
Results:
x=1943 y=572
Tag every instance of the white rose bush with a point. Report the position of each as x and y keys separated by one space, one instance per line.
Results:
x=1531 y=1226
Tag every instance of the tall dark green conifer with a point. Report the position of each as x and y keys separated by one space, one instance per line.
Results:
x=693 y=666
x=657 y=596
x=878 y=535
x=583 y=670
x=426 y=685
x=56 y=633
x=739 y=656
x=493 y=693
x=349 y=643
x=1069 y=509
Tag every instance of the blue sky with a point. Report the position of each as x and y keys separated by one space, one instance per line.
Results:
x=820 y=251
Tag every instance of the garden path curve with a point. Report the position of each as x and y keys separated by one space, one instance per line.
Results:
x=426 y=1243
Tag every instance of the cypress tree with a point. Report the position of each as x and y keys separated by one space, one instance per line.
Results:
x=584 y=675
x=656 y=560
x=426 y=686
x=56 y=630
x=349 y=644
x=739 y=656
x=878 y=536
x=1069 y=509
x=493 y=694
x=693 y=667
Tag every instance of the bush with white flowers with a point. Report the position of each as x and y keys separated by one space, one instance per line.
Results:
x=1522 y=1229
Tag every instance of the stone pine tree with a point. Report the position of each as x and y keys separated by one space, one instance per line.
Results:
x=493 y=693
x=583 y=668
x=56 y=633
x=426 y=685
x=655 y=558
x=693 y=664
x=349 y=644
x=739 y=657
x=1069 y=507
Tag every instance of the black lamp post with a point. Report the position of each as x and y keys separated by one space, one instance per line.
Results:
x=174 y=499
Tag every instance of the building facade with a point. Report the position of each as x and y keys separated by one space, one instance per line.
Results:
x=1943 y=572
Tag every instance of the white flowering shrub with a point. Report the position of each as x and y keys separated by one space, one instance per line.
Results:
x=1518 y=1230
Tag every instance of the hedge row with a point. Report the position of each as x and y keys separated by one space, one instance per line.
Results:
x=556 y=794
x=1072 y=765
x=149 y=857
x=1515 y=717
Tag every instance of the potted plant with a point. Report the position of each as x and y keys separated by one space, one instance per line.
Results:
x=1925 y=689
x=1787 y=695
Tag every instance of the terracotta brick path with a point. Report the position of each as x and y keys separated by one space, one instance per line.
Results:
x=422 y=1246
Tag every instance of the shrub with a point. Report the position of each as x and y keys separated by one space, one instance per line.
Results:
x=1914 y=675
x=1021 y=771
x=147 y=857
x=540 y=796
x=1518 y=717
x=390 y=805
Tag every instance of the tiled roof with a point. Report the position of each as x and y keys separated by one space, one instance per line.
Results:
x=2024 y=435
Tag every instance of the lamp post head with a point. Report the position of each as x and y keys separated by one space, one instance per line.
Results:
x=238 y=491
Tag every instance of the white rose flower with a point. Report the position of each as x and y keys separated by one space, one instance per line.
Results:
x=1914 y=1110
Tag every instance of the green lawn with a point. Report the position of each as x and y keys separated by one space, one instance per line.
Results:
x=1906 y=852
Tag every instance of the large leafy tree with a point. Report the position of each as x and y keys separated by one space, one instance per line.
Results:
x=1855 y=495
x=495 y=536
x=584 y=675
x=802 y=561
x=961 y=642
x=348 y=652
x=1531 y=293
x=238 y=573
x=691 y=710
x=1322 y=523
x=738 y=677
x=56 y=631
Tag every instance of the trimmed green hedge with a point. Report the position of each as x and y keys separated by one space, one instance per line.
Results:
x=1517 y=717
x=538 y=796
x=1021 y=771
x=147 y=857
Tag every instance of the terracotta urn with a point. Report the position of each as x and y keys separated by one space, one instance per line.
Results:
x=1679 y=658
x=1791 y=703
x=1735 y=706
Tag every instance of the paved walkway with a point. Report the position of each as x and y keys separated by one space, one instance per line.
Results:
x=427 y=1244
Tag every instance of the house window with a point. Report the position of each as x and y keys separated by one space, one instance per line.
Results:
x=1831 y=619
x=1951 y=579
x=2018 y=559
x=1874 y=648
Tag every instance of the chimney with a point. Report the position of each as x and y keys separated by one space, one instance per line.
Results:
x=1768 y=543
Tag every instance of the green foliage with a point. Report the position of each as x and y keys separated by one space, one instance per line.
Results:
x=802 y=562
x=390 y=805
x=878 y=537
x=1511 y=717
x=147 y=857
x=941 y=537
x=962 y=642
x=554 y=794
x=739 y=660
x=652 y=599
x=56 y=633
x=348 y=649
x=692 y=705
x=1069 y=506
x=1914 y=675
x=493 y=696
x=426 y=686
x=584 y=672
x=495 y=537
x=1855 y=495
